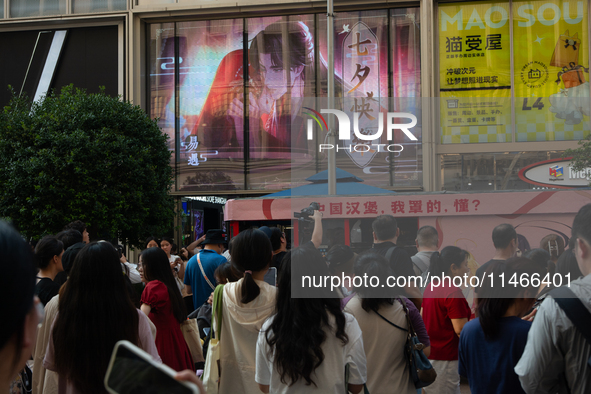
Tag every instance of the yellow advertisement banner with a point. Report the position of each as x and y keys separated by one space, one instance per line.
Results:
x=475 y=72
x=551 y=70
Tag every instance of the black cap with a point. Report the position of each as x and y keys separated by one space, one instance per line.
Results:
x=267 y=231
x=216 y=236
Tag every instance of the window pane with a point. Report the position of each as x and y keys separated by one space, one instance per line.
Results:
x=88 y=6
x=405 y=23
x=475 y=73
x=361 y=53
x=211 y=85
x=282 y=58
x=162 y=60
x=24 y=8
x=490 y=171
x=406 y=52
x=551 y=56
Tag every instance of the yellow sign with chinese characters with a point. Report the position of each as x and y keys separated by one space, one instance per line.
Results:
x=551 y=74
x=475 y=72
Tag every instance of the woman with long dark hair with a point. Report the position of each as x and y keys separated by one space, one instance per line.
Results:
x=377 y=310
x=163 y=303
x=492 y=344
x=95 y=311
x=445 y=312
x=306 y=345
x=48 y=252
x=246 y=304
x=176 y=264
x=21 y=310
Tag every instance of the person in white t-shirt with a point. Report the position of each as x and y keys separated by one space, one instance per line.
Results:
x=307 y=344
x=176 y=264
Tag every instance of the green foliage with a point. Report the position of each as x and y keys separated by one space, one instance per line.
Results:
x=581 y=157
x=84 y=156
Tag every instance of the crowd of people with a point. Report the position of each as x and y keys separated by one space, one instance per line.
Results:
x=71 y=300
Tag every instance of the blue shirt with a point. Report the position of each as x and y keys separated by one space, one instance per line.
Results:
x=210 y=260
x=489 y=364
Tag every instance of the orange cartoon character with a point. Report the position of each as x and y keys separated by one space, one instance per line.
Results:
x=566 y=50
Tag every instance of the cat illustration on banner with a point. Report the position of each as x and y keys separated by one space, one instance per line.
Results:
x=572 y=102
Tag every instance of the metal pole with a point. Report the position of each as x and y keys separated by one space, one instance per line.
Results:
x=332 y=158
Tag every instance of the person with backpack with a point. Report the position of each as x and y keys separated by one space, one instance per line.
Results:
x=557 y=356
x=307 y=344
x=427 y=242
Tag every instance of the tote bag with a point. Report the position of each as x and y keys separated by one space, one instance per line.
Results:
x=211 y=374
x=191 y=333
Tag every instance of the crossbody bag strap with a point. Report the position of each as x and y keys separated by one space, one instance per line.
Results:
x=574 y=309
x=217 y=311
x=203 y=272
x=389 y=322
x=411 y=328
x=389 y=253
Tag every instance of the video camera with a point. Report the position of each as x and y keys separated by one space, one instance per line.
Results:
x=305 y=213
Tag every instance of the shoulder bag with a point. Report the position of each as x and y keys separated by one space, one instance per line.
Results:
x=190 y=332
x=212 y=372
x=421 y=371
x=203 y=272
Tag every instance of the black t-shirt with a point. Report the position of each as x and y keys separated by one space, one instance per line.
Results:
x=482 y=269
x=46 y=289
x=399 y=261
x=277 y=259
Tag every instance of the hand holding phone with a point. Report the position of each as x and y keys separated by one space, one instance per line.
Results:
x=131 y=371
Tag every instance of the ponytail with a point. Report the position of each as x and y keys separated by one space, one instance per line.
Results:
x=250 y=290
x=251 y=252
x=441 y=262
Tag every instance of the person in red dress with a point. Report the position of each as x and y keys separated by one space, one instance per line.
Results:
x=163 y=303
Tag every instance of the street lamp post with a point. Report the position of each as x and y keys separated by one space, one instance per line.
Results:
x=332 y=159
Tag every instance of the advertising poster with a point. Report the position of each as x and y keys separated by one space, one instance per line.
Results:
x=475 y=72
x=230 y=94
x=364 y=41
x=198 y=223
x=551 y=63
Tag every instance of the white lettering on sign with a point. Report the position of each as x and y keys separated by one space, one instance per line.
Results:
x=210 y=199
x=557 y=15
x=583 y=174
x=475 y=19
x=548 y=14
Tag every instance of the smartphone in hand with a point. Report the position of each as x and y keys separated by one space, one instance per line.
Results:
x=131 y=371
